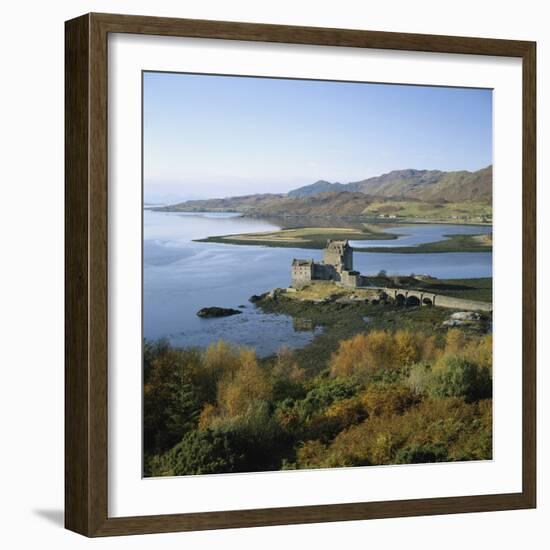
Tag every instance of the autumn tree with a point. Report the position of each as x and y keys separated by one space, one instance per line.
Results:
x=218 y=361
x=363 y=353
x=241 y=389
x=455 y=341
x=407 y=347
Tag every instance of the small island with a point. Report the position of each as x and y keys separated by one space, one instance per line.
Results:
x=337 y=267
x=305 y=237
x=208 y=312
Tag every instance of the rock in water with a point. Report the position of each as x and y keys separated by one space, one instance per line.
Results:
x=208 y=312
x=257 y=297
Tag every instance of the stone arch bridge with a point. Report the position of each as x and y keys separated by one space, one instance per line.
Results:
x=414 y=297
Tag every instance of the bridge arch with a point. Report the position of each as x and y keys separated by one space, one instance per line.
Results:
x=400 y=298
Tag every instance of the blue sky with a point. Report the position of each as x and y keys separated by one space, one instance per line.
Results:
x=212 y=136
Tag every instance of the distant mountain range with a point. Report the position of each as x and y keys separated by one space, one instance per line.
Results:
x=433 y=188
x=425 y=185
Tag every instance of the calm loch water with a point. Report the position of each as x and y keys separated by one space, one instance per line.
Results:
x=181 y=276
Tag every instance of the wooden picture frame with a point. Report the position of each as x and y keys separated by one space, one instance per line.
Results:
x=86 y=230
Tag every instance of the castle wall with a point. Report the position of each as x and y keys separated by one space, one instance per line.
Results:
x=347 y=258
x=324 y=272
x=350 y=279
x=337 y=263
x=331 y=256
x=338 y=255
x=302 y=274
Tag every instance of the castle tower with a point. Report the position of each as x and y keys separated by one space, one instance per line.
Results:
x=301 y=272
x=339 y=254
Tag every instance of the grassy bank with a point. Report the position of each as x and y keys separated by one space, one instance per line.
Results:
x=469 y=289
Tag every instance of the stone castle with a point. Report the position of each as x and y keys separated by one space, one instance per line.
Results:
x=337 y=266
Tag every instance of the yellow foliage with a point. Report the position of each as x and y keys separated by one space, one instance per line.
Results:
x=455 y=342
x=407 y=349
x=311 y=453
x=458 y=426
x=288 y=419
x=381 y=448
x=207 y=417
x=297 y=374
x=429 y=350
x=286 y=366
x=387 y=400
x=481 y=351
x=477 y=350
x=347 y=411
x=247 y=385
x=219 y=360
x=420 y=378
x=363 y=353
x=379 y=349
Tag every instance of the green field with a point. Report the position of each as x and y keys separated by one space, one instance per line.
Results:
x=454 y=212
x=468 y=289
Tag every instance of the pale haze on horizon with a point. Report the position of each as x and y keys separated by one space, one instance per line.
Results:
x=210 y=136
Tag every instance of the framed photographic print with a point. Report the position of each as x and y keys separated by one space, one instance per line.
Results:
x=300 y=274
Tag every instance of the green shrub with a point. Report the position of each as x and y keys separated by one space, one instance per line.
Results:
x=223 y=410
x=420 y=379
x=201 y=452
x=462 y=378
x=424 y=432
x=415 y=454
x=171 y=402
x=306 y=418
x=325 y=394
x=243 y=446
x=257 y=436
x=387 y=400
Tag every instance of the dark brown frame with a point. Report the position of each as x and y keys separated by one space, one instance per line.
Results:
x=86 y=274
